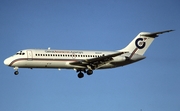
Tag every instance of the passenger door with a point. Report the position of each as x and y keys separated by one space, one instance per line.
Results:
x=29 y=55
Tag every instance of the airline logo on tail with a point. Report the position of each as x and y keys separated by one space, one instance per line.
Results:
x=140 y=43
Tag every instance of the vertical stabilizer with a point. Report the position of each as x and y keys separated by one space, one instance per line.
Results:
x=141 y=42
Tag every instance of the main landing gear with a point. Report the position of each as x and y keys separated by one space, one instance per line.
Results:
x=81 y=75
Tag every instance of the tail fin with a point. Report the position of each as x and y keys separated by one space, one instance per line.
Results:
x=141 y=42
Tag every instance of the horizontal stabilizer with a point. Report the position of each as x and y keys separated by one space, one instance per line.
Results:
x=155 y=34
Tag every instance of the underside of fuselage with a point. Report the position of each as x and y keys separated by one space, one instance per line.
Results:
x=25 y=63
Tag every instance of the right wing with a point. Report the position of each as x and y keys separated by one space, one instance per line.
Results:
x=95 y=63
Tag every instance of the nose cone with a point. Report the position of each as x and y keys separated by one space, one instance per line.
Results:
x=6 y=62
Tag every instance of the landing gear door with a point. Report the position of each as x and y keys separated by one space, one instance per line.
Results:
x=29 y=55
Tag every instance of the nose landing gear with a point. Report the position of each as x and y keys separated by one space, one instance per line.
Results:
x=16 y=71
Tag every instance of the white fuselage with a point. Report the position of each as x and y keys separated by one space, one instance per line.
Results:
x=38 y=58
x=83 y=61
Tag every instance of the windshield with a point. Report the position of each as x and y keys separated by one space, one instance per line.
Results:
x=20 y=53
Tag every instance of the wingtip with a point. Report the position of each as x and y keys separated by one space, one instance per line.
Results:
x=170 y=30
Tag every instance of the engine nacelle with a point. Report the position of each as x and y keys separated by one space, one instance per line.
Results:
x=119 y=59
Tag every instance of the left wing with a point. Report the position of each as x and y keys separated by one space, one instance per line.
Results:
x=95 y=63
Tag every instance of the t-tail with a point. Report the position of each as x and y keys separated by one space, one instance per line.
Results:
x=141 y=42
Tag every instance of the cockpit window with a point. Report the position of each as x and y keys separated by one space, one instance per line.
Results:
x=20 y=53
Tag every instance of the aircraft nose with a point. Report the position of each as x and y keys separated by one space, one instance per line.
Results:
x=7 y=62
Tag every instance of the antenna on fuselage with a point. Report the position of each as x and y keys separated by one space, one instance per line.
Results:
x=49 y=48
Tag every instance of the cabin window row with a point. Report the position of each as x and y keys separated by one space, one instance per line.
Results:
x=67 y=55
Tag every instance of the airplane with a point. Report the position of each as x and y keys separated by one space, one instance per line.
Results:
x=83 y=61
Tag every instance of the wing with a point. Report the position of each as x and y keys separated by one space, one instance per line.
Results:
x=95 y=63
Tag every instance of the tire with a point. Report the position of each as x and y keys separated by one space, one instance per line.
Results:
x=16 y=72
x=80 y=75
x=89 y=72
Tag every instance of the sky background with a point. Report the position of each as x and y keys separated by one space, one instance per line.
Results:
x=151 y=85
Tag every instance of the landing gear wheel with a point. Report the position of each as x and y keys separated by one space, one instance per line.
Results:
x=16 y=72
x=89 y=72
x=80 y=75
